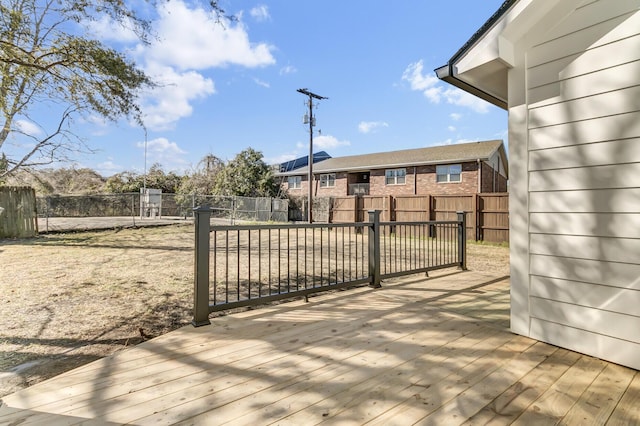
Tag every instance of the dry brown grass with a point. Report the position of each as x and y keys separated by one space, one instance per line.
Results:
x=68 y=299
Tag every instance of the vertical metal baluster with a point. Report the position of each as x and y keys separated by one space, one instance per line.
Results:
x=215 y=264
x=288 y=261
x=335 y=250
x=383 y=249
x=269 y=263
x=306 y=274
x=350 y=276
x=358 y=274
x=238 y=262
x=321 y=258
x=249 y=264
x=226 y=267
x=260 y=262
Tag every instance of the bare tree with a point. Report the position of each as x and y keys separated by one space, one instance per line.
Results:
x=46 y=64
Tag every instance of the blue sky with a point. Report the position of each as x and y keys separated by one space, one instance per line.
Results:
x=226 y=89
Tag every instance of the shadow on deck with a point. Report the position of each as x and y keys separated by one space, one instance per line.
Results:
x=418 y=350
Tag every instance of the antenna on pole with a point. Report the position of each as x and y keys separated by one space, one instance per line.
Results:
x=312 y=122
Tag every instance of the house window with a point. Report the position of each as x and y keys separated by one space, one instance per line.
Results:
x=449 y=173
x=295 y=182
x=328 y=180
x=395 y=176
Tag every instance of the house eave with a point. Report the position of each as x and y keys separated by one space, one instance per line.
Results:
x=445 y=73
x=483 y=75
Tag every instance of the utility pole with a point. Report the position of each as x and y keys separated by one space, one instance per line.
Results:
x=312 y=123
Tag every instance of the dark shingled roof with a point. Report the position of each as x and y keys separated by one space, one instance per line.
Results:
x=409 y=157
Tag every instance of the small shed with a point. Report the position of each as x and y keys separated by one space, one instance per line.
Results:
x=568 y=72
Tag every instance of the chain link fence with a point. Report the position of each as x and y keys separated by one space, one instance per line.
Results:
x=263 y=209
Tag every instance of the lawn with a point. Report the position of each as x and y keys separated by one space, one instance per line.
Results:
x=68 y=299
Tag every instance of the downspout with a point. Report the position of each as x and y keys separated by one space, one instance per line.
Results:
x=479 y=176
x=415 y=181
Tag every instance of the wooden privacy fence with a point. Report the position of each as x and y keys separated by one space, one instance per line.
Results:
x=487 y=215
x=18 y=217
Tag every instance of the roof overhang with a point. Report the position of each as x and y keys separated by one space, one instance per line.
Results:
x=482 y=65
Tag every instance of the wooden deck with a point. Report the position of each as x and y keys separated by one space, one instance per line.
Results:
x=426 y=351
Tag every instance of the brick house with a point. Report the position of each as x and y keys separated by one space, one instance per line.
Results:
x=467 y=168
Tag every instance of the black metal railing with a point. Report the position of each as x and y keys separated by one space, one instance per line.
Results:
x=254 y=264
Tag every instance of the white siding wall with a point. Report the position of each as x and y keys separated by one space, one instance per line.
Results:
x=583 y=143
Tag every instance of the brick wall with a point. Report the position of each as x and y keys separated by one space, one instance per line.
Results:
x=419 y=180
x=488 y=176
x=340 y=188
x=378 y=186
x=427 y=183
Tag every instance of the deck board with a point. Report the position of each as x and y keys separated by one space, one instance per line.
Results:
x=554 y=404
x=627 y=412
x=419 y=350
x=595 y=405
x=505 y=408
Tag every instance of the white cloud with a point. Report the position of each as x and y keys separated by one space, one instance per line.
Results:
x=371 y=126
x=433 y=90
x=458 y=97
x=453 y=142
x=325 y=142
x=108 y=168
x=261 y=83
x=161 y=146
x=260 y=13
x=97 y=120
x=455 y=116
x=187 y=42
x=189 y=39
x=171 y=101
x=288 y=70
x=413 y=74
x=100 y=125
x=504 y=134
x=451 y=128
x=165 y=152
x=281 y=158
x=28 y=128
x=107 y=29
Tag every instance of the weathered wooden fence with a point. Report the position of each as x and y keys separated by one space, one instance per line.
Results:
x=487 y=215
x=18 y=217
